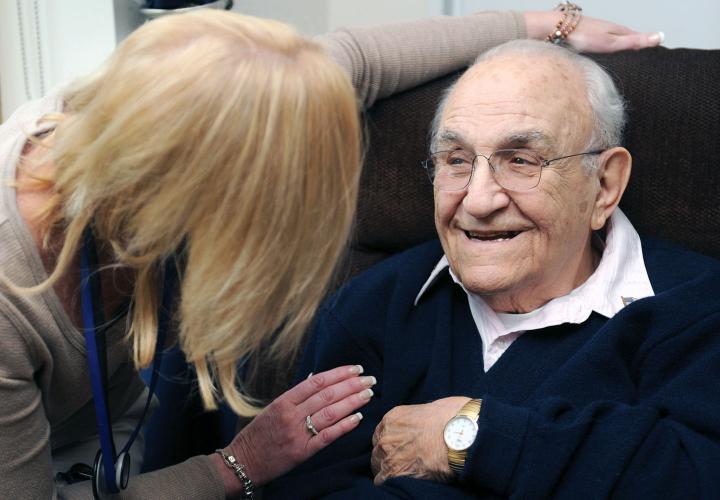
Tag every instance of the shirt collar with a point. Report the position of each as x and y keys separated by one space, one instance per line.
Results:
x=619 y=279
x=437 y=270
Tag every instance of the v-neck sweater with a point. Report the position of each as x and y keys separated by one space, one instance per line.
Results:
x=625 y=407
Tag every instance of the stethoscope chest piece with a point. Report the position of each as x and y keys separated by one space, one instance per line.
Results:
x=122 y=473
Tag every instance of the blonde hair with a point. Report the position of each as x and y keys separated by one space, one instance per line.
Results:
x=231 y=137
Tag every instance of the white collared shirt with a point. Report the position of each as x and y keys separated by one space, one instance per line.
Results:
x=619 y=279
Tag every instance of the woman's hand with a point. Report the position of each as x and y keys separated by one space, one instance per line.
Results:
x=591 y=35
x=278 y=439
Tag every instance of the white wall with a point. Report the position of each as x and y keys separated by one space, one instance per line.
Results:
x=686 y=24
x=370 y=12
x=313 y=17
x=61 y=39
x=80 y=35
x=308 y=16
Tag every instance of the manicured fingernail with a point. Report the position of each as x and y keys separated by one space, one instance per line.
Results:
x=310 y=374
x=357 y=417
x=368 y=381
x=366 y=393
x=356 y=369
x=658 y=37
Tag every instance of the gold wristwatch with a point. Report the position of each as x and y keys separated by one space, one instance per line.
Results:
x=460 y=433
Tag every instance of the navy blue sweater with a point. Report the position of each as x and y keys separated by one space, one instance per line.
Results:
x=624 y=408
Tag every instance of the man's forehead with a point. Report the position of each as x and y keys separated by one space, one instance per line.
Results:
x=517 y=65
x=518 y=138
x=517 y=90
x=520 y=78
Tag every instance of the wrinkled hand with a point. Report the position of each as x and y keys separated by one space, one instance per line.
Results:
x=409 y=441
x=277 y=439
x=592 y=35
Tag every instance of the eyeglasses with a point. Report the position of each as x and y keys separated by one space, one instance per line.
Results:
x=513 y=169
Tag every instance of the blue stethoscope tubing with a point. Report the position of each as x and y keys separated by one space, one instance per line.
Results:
x=114 y=468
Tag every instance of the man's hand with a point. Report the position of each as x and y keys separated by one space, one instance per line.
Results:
x=409 y=441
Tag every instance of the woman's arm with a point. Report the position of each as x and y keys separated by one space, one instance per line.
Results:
x=383 y=60
x=25 y=461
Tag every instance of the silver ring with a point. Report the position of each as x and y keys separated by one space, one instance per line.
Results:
x=309 y=425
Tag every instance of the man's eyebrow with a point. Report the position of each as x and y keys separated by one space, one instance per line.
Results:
x=535 y=137
x=450 y=136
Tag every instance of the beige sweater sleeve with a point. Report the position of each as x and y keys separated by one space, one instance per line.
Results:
x=387 y=59
x=195 y=478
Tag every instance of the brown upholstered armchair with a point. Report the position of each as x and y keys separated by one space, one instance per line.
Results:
x=673 y=134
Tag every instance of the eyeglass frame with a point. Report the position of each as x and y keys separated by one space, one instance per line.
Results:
x=426 y=163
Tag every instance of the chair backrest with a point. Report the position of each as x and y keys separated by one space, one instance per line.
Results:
x=673 y=134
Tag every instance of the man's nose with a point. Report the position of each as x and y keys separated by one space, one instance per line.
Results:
x=484 y=195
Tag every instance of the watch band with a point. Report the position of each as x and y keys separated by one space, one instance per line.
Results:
x=456 y=458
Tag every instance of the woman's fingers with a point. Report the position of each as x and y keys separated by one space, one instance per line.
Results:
x=319 y=381
x=636 y=41
x=328 y=415
x=329 y=398
x=323 y=399
x=596 y=35
x=591 y=34
x=330 y=434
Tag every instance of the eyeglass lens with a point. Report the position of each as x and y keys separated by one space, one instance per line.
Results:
x=513 y=169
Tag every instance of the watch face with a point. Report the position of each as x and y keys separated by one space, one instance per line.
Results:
x=460 y=433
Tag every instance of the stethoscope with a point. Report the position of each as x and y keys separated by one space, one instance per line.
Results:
x=111 y=470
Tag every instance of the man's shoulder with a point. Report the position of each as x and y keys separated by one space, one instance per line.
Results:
x=686 y=286
x=670 y=265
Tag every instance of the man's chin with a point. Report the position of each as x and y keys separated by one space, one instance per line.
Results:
x=488 y=282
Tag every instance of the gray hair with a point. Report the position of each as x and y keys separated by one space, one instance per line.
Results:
x=606 y=103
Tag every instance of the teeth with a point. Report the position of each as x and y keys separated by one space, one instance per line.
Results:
x=504 y=236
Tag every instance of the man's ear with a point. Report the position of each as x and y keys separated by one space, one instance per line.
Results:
x=613 y=174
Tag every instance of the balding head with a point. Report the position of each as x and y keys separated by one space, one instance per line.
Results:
x=607 y=107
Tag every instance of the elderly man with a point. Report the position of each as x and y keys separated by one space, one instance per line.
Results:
x=541 y=348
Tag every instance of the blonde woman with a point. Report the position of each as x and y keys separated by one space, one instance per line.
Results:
x=226 y=149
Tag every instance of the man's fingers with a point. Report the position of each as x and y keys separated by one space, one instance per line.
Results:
x=319 y=381
x=375 y=461
x=330 y=434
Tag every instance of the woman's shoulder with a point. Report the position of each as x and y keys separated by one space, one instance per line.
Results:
x=26 y=116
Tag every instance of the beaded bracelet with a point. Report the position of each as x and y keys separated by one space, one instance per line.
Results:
x=239 y=470
x=571 y=15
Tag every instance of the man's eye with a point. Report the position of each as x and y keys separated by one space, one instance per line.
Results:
x=458 y=161
x=519 y=160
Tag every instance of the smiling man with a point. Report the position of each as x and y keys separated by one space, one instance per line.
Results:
x=541 y=348
x=520 y=234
